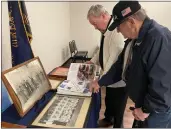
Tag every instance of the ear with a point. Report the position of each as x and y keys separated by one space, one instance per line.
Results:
x=131 y=20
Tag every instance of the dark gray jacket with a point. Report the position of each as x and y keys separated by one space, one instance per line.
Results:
x=149 y=76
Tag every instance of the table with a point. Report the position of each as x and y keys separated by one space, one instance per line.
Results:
x=11 y=117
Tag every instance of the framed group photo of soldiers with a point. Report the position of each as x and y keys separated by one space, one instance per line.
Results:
x=64 y=112
x=26 y=84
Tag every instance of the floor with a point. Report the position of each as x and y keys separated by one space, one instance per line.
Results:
x=128 y=118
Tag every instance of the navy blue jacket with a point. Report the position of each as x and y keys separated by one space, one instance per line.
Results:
x=149 y=79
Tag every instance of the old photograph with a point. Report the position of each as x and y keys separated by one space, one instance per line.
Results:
x=82 y=72
x=63 y=111
x=29 y=82
x=86 y=72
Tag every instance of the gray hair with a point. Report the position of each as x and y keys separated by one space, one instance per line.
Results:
x=140 y=15
x=96 y=10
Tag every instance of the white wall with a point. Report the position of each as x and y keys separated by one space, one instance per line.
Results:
x=6 y=49
x=50 y=29
x=159 y=11
x=87 y=37
x=54 y=24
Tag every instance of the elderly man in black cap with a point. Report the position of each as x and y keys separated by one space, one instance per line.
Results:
x=144 y=64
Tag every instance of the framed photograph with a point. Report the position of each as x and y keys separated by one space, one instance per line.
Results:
x=59 y=72
x=26 y=84
x=64 y=112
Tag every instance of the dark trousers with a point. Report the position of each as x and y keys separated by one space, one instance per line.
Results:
x=159 y=119
x=115 y=101
x=156 y=119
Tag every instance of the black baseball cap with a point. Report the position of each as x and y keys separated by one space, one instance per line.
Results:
x=122 y=10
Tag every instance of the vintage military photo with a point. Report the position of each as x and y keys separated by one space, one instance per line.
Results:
x=86 y=72
x=63 y=111
x=82 y=72
x=29 y=82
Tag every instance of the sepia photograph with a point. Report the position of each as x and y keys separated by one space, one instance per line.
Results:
x=64 y=111
x=29 y=82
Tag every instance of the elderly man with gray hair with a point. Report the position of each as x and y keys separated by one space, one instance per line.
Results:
x=111 y=46
x=144 y=64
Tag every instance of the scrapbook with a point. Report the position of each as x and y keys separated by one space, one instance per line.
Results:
x=79 y=77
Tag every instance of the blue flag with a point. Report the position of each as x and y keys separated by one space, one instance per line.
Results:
x=20 y=32
x=20 y=37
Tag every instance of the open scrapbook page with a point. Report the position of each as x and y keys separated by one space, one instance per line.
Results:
x=78 y=79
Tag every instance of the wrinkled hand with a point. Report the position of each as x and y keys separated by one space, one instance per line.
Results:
x=94 y=87
x=139 y=114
